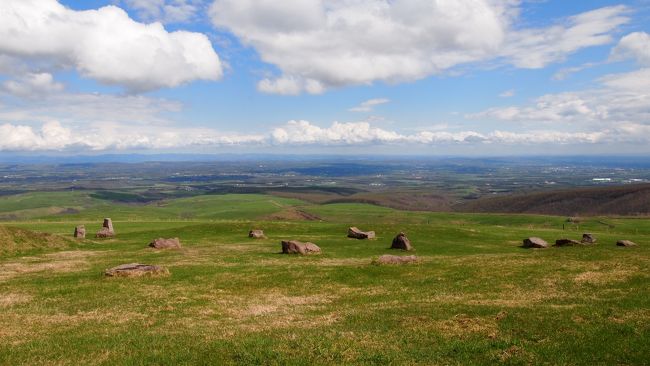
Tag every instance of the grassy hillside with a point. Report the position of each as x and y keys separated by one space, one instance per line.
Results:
x=16 y=240
x=621 y=200
x=475 y=297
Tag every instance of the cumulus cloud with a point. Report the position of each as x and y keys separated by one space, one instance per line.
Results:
x=369 y=105
x=633 y=46
x=32 y=85
x=105 y=45
x=53 y=136
x=621 y=99
x=320 y=44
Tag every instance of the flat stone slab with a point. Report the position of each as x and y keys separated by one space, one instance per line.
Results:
x=567 y=243
x=136 y=270
x=256 y=234
x=535 y=242
x=297 y=247
x=162 y=243
x=625 y=243
x=355 y=233
x=395 y=259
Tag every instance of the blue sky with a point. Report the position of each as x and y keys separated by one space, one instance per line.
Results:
x=475 y=77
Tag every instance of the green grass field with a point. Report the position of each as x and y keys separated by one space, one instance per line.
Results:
x=475 y=297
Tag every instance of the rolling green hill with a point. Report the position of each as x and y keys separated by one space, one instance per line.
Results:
x=474 y=297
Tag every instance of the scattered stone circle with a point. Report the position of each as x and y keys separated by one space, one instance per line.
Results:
x=107 y=229
x=297 y=247
x=80 y=232
x=162 y=243
x=256 y=234
x=535 y=242
x=395 y=259
x=625 y=243
x=136 y=270
x=355 y=233
x=401 y=242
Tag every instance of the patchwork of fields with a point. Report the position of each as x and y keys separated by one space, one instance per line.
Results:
x=475 y=297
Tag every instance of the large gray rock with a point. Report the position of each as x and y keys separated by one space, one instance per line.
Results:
x=107 y=229
x=256 y=234
x=401 y=242
x=355 y=233
x=395 y=259
x=625 y=243
x=297 y=247
x=535 y=242
x=162 y=243
x=588 y=239
x=566 y=243
x=80 y=232
x=136 y=270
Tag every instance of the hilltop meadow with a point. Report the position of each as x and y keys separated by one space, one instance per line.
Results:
x=474 y=297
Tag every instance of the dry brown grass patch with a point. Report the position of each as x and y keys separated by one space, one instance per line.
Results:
x=604 y=277
x=61 y=262
x=11 y=299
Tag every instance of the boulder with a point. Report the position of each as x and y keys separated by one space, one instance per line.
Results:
x=588 y=239
x=136 y=270
x=162 y=243
x=80 y=232
x=566 y=243
x=535 y=242
x=107 y=229
x=625 y=243
x=256 y=234
x=401 y=242
x=297 y=247
x=395 y=259
x=104 y=233
x=355 y=233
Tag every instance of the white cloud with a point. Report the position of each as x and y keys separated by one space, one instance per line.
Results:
x=53 y=136
x=536 y=48
x=621 y=99
x=369 y=105
x=32 y=85
x=508 y=93
x=320 y=44
x=633 y=46
x=166 y=11
x=105 y=45
x=564 y=73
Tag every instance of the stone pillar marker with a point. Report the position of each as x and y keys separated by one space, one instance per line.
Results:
x=107 y=229
x=80 y=232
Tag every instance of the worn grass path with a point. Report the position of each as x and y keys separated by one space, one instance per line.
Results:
x=474 y=298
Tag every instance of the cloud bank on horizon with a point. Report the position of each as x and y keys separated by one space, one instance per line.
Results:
x=175 y=75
